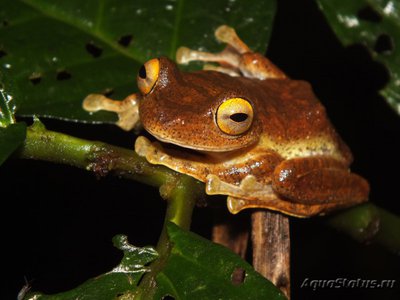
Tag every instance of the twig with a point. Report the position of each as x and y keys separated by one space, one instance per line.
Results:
x=368 y=223
x=98 y=157
x=271 y=248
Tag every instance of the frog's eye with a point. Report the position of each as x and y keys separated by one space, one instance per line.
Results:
x=148 y=75
x=234 y=116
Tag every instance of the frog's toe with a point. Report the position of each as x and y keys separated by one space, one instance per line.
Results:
x=235 y=205
x=142 y=146
x=153 y=152
x=183 y=55
x=213 y=184
x=224 y=33
x=229 y=71
x=94 y=102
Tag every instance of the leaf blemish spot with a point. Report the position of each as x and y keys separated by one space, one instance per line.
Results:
x=125 y=40
x=367 y=13
x=384 y=44
x=4 y=23
x=238 y=276
x=63 y=75
x=93 y=49
x=2 y=53
x=35 y=78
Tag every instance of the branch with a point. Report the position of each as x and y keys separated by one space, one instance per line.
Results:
x=181 y=201
x=98 y=157
x=271 y=247
x=368 y=223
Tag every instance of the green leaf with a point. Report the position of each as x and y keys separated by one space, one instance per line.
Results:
x=60 y=51
x=11 y=135
x=122 y=280
x=11 y=138
x=375 y=24
x=199 y=269
x=7 y=105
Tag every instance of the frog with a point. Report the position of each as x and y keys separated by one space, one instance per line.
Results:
x=241 y=126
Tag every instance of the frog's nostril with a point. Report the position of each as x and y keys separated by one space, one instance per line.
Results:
x=142 y=72
x=239 y=117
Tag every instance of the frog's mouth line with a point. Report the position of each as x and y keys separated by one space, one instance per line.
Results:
x=197 y=149
x=194 y=154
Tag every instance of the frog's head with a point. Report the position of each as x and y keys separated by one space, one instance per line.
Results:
x=205 y=110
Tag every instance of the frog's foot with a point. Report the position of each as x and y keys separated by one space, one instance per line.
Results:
x=248 y=194
x=236 y=58
x=179 y=161
x=127 y=109
x=252 y=194
x=249 y=186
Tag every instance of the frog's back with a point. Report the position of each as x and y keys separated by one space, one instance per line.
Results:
x=293 y=118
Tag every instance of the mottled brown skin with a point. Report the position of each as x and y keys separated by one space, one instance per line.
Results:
x=181 y=110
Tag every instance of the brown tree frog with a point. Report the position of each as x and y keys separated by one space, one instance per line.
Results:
x=242 y=127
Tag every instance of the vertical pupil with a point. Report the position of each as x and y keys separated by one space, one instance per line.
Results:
x=142 y=72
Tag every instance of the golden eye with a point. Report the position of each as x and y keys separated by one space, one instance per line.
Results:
x=148 y=75
x=234 y=116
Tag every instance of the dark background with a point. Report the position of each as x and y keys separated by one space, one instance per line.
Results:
x=58 y=221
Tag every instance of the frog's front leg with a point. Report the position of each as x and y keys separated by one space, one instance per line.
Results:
x=182 y=162
x=236 y=59
x=127 y=109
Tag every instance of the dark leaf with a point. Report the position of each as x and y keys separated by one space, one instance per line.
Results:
x=122 y=280
x=61 y=51
x=11 y=137
x=375 y=24
x=200 y=269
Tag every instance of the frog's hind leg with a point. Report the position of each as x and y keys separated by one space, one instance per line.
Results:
x=236 y=59
x=127 y=109
x=252 y=194
x=319 y=180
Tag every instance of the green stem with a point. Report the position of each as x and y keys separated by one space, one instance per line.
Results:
x=98 y=157
x=181 y=201
x=368 y=223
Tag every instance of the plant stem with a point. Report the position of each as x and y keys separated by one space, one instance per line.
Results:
x=271 y=247
x=98 y=157
x=181 y=201
x=368 y=223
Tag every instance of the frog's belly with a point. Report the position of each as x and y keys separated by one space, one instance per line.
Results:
x=316 y=146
